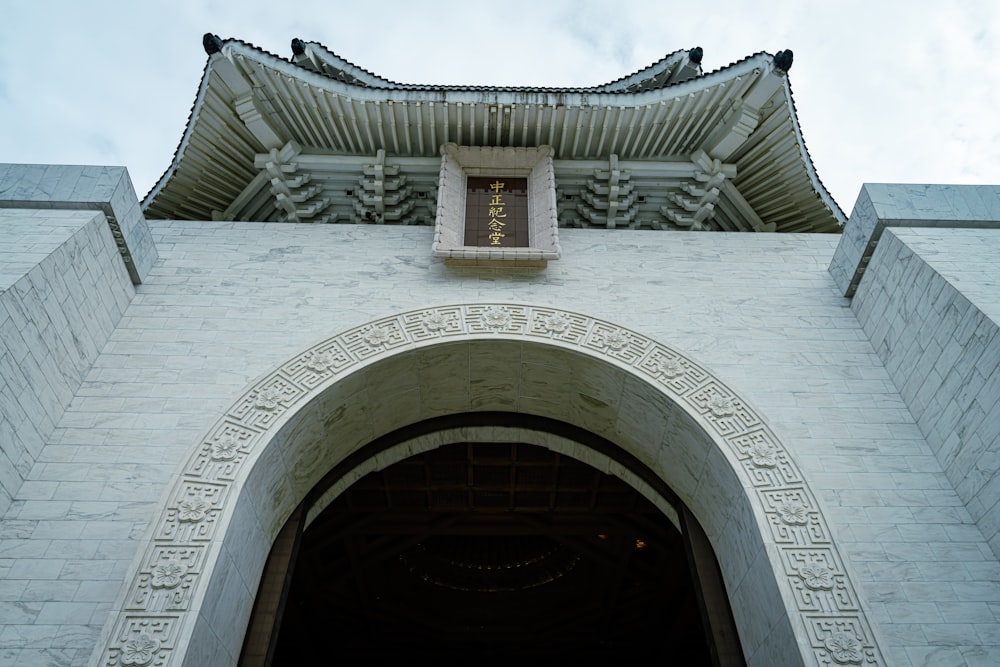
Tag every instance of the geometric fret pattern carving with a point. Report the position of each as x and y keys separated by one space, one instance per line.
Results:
x=167 y=576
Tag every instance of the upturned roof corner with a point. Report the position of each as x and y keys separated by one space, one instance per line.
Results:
x=658 y=125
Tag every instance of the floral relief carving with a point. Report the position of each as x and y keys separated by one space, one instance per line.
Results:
x=496 y=317
x=224 y=449
x=267 y=398
x=193 y=509
x=435 y=321
x=139 y=650
x=817 y=577
x=845 y=649
x=793 y=513
x=615 y=340
x=763 y=455
x=321 y=362
x=556 y=324
x=721 y=406
x=167 y=574
x=670 y=367
x=376 y=336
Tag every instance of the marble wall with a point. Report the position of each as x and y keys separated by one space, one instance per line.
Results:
x=930 y=302
x=63 y=290
x=226 y=305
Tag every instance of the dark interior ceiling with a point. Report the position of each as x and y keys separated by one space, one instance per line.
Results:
x=490 y=553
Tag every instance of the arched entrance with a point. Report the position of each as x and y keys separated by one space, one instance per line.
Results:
x=791 y=597
x=494 y=548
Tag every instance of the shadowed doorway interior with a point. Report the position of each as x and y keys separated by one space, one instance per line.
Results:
x=492 y=553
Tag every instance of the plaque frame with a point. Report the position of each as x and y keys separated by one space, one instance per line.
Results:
x=458 y=163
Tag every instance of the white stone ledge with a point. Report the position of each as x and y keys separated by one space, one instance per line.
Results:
x=106 y=189
x=882 y=205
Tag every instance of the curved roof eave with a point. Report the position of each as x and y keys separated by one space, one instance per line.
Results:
x=333 y=60
x=185 y=137
x=373 y=80
x=388 y=91
x=548 y=96
x=808 y=162
x=648 y=72
x=397 y=91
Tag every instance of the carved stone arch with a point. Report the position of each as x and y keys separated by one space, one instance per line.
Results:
x=195 y=578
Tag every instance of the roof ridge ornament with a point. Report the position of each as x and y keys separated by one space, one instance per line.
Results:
x=783 y=61
x=211 y=43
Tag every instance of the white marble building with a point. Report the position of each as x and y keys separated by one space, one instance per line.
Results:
x=818 y=393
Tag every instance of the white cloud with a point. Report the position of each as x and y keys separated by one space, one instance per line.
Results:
x=888 y=91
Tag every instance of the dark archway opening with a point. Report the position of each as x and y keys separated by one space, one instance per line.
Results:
x=491 y=553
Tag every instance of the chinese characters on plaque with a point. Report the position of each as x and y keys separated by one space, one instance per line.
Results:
x=496 y=212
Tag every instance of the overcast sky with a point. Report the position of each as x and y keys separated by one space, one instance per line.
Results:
x=886 y=90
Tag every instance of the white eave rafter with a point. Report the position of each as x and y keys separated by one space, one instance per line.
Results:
x=279 y=101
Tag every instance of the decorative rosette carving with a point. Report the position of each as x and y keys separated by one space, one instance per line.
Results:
x=193 y=509
x=321 y=362
x=267 y=399
x=556 y=324
x=496 y=317
x=167 y=574
x=721 y=406
x=817 y=577
x=615 y=340
x=845 y=649
x=670 y=367
x=224 y=449
x=793 y=513
x=376 y=336
x=435 y=321
x=763 y=455
x=139 y=650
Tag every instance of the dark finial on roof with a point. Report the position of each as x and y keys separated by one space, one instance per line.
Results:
x=695 y=55
x=212 y=43
x=298 y=46
x=783 y=60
